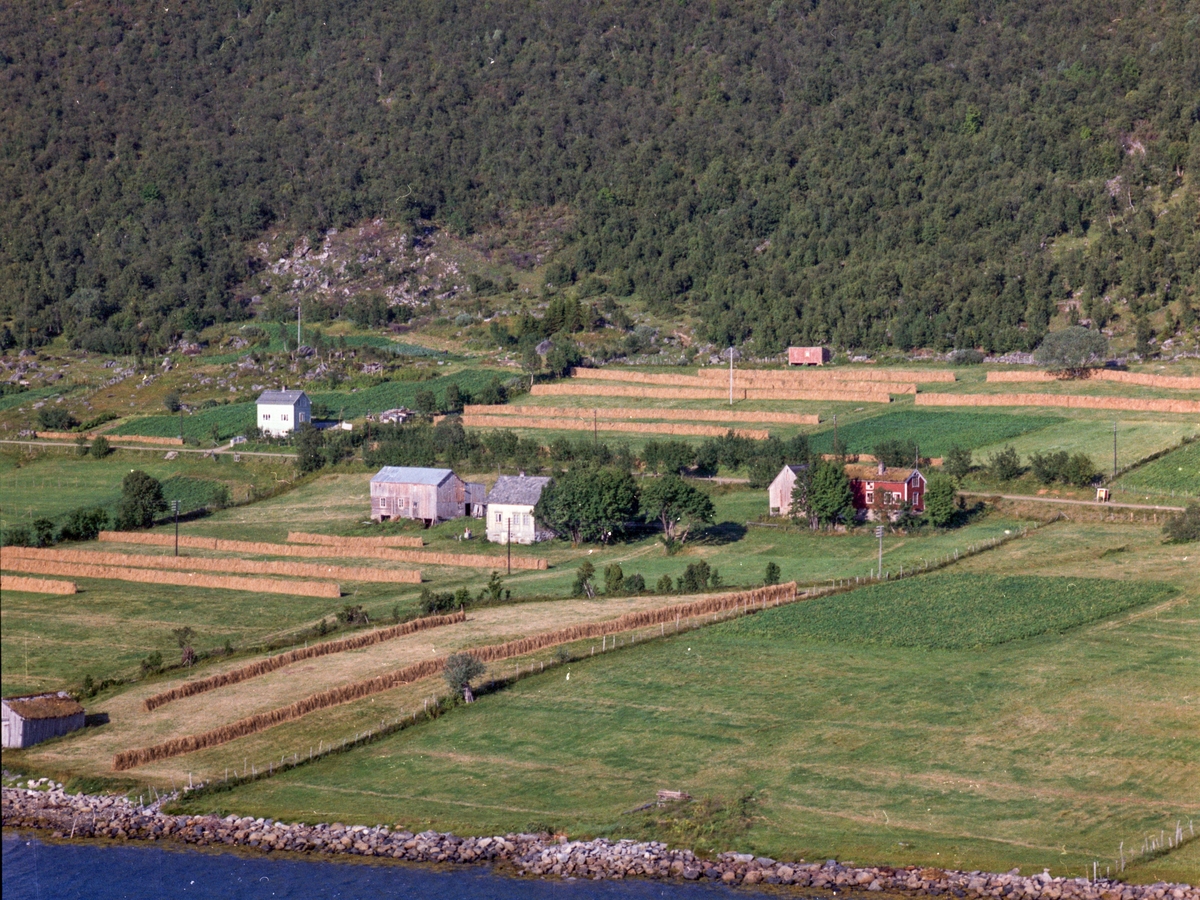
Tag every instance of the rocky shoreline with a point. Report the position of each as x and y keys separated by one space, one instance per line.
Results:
x=45 y=806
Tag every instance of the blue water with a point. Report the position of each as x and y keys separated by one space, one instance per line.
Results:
x=34 y=870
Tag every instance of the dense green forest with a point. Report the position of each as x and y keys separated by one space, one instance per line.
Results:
x=896 y=173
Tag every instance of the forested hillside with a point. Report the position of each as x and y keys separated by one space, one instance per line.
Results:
x=894 y=173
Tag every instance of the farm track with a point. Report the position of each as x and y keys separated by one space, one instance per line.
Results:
x=1146 y=506
x=218 y=451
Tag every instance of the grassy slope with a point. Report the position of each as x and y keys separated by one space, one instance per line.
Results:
x=1027 y=753
x=1176 y=473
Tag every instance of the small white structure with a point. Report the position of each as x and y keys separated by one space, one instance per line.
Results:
x=779 y=493
x=39 y=717
x=281 y=412
x=510 y=505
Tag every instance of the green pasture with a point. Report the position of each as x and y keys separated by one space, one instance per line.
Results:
x=798 y=743
x=217 y=423
x=55 y=481
x=935 y=431
x=392 y=394
x=1176 y=473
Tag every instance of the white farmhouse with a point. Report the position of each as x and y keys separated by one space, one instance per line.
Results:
x=281 y=412
x=510 y=505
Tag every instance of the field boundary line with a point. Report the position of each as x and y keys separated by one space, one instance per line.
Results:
x=180 y=579
x=1069 y=401
x=626 y=412
x=36 y=585
x=562 y=389
x=333 y=540
x=220 y=565
x=272 y=663
x=740 y=603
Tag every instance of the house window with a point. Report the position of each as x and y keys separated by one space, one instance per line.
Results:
x=870 y=497
x=499 y=518
x=283 y=417
x=266 y=417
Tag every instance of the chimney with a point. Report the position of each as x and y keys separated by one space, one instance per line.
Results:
x=882 y=468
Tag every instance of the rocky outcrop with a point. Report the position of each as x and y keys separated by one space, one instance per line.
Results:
x=84 y=816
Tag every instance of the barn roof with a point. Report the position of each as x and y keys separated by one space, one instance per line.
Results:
x=872 y=473
x=411 y=475
x=280 y=396
x=518 y=489
x=44 y=706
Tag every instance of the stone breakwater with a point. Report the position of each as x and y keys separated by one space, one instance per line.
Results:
x=84 y=816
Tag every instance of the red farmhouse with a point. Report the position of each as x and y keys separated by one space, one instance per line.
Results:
x=880 y=491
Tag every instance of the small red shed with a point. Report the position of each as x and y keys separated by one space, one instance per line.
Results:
x=880 y=490
x=807 y=356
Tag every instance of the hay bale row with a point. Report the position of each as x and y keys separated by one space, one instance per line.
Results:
x=394 y=555
x=628 y=412
x=788 y=382
x=631 y=377
x=35 y=585
x=272 y=663
x=1177 y=382
x=587 y=424
x=805 y=376
x=224 y=564
x=576 y=389
x=184 y=579
x=748 y=600
x=1069 y=401
x=332 y=540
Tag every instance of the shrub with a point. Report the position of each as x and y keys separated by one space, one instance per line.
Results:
x=966 y=358
x=54 y=418
x=17 y=536
x=100 y=447
x=941 y=500
x=895 y=452
x=141 y=498
x=1079 y=470
x=460 y=669
x=152 y=663
x=353 y=615
x=1185 y=527
x=84 y=524
x=695 y=577
x=614 y=578
x=1005 y=464
x=43 y=532
x=1075 y=347
x=664 y=585
x=634 y=584
x=172 y=402
x=583 y=579
x=958 y=462
x=772 y=574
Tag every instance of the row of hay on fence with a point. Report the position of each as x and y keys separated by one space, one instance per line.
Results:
x=272 y=663
x=474 y=560
x=1177 y=382
x=223 y=564
x=578 y=422
x=743 y=600
x=744 y=379
x=91 y=435
x=786 y=381
x=35 y=585
x=183 y=579
x=583 y=389
x=643 y=412
x=807 y=376
x=332 y=540
x=1070 y=401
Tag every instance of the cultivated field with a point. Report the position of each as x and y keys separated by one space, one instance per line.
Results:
x=1019 y=746
x=1175 y=474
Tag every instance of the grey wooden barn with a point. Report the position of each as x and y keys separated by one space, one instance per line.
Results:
x=431 y=495
x=39 y=717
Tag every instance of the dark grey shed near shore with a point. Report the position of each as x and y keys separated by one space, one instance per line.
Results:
x=39 y=717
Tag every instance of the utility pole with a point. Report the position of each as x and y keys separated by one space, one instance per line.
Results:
x=731 y=375
x=297 y=324
x=879 y=534
x=836 y=451
x=595 y=429
x=181 y=424
x=510 y=543
x=1114 y=451
x=175 y=509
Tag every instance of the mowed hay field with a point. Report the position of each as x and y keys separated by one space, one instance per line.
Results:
x=1043 y=743
x=1177 y=473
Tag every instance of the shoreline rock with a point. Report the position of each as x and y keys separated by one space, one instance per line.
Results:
x=83 y=816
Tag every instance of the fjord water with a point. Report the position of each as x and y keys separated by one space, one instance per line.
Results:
x=34 y=870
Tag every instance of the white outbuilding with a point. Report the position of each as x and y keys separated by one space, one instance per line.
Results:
x=281 y=412
x=510 y=506
x=33 y=719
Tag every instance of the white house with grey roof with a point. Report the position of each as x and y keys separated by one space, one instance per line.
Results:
x=431 y=495
x=510 y=505
x=281 y=412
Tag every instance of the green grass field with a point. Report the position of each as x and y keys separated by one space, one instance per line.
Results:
x=935 y=431
x=1027 y=752
x=1176 y=473
x=227 y=421
x=403 y=393
x=951 y=611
